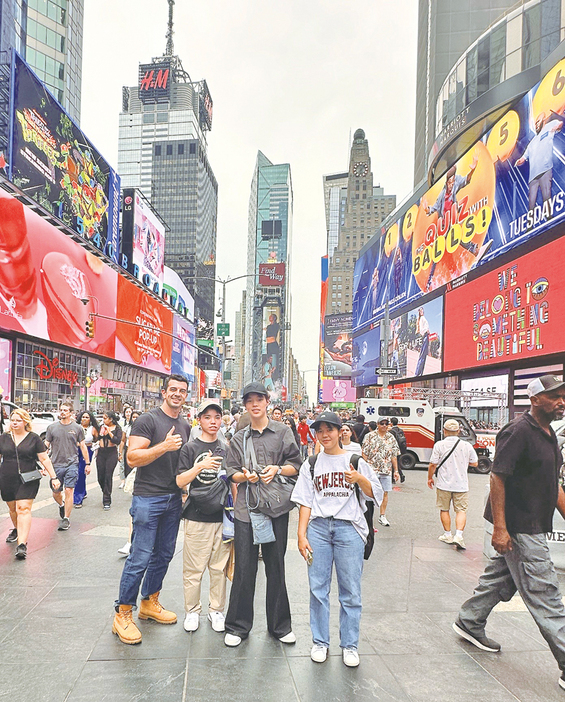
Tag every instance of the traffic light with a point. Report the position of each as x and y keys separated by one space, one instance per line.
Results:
x=89 y=329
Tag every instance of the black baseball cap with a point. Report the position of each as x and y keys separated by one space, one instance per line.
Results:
x=328 y=418
x=256 y=387
x=546 y=383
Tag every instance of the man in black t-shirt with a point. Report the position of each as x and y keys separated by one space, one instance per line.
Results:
x=523 y=496
x=200 y=465
x=154 y=447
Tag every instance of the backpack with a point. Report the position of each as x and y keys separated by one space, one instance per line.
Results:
x=400 y=438
x=370 y=506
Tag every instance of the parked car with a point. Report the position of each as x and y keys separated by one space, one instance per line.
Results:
x=40 y=421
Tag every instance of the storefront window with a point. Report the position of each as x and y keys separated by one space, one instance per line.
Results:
x=46 y=375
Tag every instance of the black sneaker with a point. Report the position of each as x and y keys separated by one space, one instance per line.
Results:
x=482 y=642
x=62 y=511
x=562 y=681
x=21 y=552
x=65 y=524
x=12 y=536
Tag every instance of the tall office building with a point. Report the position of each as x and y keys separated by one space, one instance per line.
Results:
x=48 y=35
x=335 y=197
x=361 y=211
x=162 y=150
x=268 y=296
x=445 y=30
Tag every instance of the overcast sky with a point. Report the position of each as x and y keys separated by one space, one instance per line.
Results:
x=293 y=78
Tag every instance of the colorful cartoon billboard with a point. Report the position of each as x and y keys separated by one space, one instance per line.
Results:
x=337 y=345
x=509 y=314
x=508 y=188
x=53 y=162
x=338 y=390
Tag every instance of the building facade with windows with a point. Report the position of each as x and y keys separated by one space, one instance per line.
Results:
x=162 y=150
x=48 y=35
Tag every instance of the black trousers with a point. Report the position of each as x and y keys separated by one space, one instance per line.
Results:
x=106 y=461
x=239 y=619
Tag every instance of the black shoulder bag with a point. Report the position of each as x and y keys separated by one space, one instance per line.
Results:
x=444 y=459
x=30 y=475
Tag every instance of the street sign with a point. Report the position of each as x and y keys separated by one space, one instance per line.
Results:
x=223 y=329
x=386 y=371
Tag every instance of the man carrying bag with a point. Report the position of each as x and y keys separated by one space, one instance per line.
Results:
x=275 y=454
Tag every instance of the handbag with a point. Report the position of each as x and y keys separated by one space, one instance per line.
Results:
x=209 y=499
x=273 y=499
x=30 y=475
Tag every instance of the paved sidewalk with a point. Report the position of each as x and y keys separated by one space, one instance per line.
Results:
x=56 y=614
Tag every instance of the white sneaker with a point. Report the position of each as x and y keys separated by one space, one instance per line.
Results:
x=217 y=620
x=126 y=548
x=289 y=638
x=191 y=621
x=384 y=521
x=458 y=541
x=350 y=657
x=446 y=538
x=318 y=653
x=232 y=640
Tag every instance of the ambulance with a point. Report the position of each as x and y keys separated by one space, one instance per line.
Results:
x=422 y=425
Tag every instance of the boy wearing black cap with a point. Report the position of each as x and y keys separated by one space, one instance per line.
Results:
x=200 y=464
x=523 y=496
x=277 y=453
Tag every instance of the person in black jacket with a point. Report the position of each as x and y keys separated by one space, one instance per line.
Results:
x=398 y=434
x=360 y=428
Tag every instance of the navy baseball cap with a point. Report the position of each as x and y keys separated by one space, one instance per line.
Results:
x=328 y=418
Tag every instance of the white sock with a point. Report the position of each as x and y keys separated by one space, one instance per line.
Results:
x=459 y=532
x=447 y=533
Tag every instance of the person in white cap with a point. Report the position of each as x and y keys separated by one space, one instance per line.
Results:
x=448 y=468
x=524 y=492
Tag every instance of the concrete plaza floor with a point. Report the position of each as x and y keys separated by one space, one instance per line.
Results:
x=56 y=615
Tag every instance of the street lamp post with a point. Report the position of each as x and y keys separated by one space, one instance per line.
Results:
x=223 y=283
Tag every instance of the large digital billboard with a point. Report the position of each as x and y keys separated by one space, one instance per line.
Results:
x=143 y=240
x=509 y=314
x=508 y=188
x=337 y=345
x=272 y=358
x=144 y=334
x=184 y=348
x=50 y=285
x=53 y=162
x=155 y=81
x=366 y=357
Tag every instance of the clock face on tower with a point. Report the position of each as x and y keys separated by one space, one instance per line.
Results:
x=360 y=169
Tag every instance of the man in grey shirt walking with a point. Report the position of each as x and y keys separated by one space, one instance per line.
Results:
x=64 y=438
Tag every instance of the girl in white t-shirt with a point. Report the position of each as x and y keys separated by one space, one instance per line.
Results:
x=347 y=441
x=332 y=530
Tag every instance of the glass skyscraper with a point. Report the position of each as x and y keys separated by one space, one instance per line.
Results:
x=268 y=307
x=48 y=35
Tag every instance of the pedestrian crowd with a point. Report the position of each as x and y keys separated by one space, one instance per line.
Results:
x=232 y=479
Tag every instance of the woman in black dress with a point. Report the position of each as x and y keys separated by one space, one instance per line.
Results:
x=289 y=421
x=20 y=448
x=110 y=437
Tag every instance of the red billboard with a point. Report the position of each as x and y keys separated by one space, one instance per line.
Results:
x=49 y=284
x=512 y=313
x=272 y=274
x=144 y=332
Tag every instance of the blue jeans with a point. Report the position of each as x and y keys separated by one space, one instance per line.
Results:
x=335 y=541
x=155 y=528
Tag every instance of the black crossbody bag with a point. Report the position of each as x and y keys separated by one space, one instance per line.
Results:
x=444 y=459
x=30 y=475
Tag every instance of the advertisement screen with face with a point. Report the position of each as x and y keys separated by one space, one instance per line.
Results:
x=53 y=162
x=50 y=285
x=144 y=338
x=272 y=345
x=508 y=188
x=183 y=352
x=337 y=345
x=509 y=314
x=338 y=391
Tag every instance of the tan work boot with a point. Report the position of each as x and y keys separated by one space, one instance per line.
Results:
x=152 y=609
x=125 y=627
